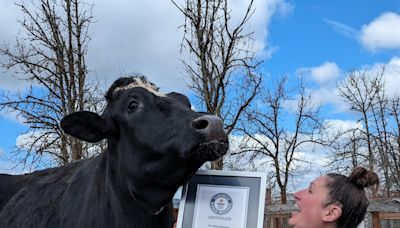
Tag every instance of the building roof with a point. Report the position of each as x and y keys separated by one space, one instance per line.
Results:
x=375 y=205
x=384 y=205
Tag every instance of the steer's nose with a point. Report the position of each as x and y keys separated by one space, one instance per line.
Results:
x=211 y=127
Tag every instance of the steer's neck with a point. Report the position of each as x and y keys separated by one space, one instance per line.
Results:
x=130 y=181
x=151 y=185
x=118 y=204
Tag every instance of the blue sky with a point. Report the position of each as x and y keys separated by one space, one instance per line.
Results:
x=319 y=34
x=320 y=31
x=321 y=39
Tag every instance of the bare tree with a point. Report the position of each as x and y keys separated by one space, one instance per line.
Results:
x=223 y=68
x=378 y=139
x=359 y=91
x=272 y=136
x=50 y=57
x=394 y=152
x=347 y=150
x=382 y=141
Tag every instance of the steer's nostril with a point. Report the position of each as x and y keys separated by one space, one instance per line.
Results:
x=199 y=124
x=211 y=127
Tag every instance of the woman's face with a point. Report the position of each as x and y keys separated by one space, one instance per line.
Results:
x=311 y=204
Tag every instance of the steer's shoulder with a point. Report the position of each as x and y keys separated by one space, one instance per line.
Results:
x=33 y=198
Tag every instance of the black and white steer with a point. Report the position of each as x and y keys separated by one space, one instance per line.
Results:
x=155 y=144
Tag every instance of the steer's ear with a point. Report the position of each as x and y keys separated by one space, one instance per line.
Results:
x=180 y=97
x=84 y=125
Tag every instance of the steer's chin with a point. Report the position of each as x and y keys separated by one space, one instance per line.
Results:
x=209 y=151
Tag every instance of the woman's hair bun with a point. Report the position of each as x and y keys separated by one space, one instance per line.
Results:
x=363 y=178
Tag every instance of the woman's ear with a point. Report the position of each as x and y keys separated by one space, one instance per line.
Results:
x=331 y=213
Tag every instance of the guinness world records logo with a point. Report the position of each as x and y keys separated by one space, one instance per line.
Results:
x=221 y=203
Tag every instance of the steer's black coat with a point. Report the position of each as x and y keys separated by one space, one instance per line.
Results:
x=155 y=144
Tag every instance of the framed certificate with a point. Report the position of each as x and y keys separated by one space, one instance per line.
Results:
x=221 y=199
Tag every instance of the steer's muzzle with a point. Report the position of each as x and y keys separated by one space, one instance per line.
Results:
x=216 y=140
x=211 y=127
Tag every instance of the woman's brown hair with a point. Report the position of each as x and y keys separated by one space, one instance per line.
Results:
x=349 y=193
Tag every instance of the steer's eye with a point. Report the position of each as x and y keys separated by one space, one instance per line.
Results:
x=132 y=106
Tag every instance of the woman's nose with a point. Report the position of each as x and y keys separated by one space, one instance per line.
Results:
x=297 y=195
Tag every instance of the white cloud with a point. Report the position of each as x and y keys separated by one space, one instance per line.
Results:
x=328 y=72
x=339 y=125
x=391 y=76
x=12 y=168
x=302 y=173
x=326 y=76
x=343 y=29
x=259 y=22
x=12 y=116
x=128 y=37
x=136 y=37
x=143 y=37
x=24 y=141
x=8 y=82
x=9 y=30
x=7 y=166
x=305 y=152
x=382 y=33
x=8 y=16
x=327 y=95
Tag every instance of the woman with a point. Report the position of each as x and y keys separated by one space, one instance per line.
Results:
x=334 y=200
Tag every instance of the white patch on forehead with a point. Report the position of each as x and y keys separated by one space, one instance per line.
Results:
x=138 y=82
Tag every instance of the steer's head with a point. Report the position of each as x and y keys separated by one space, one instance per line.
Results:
x=156 y=142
